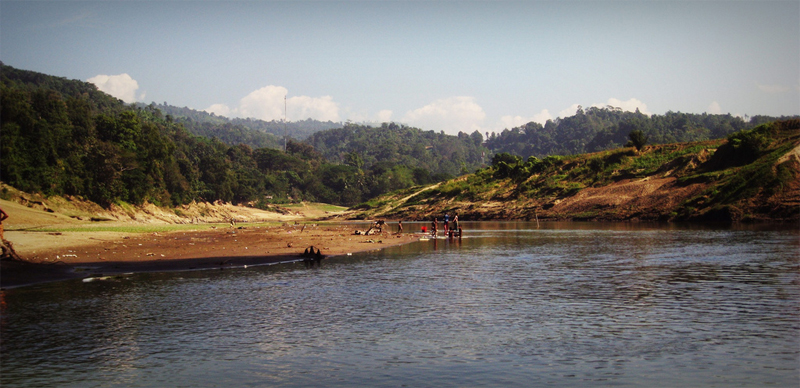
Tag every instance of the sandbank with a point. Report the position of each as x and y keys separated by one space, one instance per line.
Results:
x=65 y=251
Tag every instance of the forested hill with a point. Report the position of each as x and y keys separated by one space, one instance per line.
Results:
x=598 y=129
x=247 y=130
x=30 y=82
x=398 y=144
x=64 y=137
x=752 y=175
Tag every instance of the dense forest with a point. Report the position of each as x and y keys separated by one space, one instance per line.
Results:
x=394 y=144
x=598 y=129
x=64 y=137
x=233 y=131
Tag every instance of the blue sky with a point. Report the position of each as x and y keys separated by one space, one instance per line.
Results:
x=445 y=65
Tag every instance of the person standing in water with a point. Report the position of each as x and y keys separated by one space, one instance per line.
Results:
x=446 y=222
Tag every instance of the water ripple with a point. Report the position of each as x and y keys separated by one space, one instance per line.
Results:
x=514 y=306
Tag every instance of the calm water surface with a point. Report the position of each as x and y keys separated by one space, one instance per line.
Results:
x=510 y=304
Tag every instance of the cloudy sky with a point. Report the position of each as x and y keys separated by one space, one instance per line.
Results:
x=444 y=65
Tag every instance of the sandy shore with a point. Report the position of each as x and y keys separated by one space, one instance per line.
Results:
x=51 y=256
x=56 y=256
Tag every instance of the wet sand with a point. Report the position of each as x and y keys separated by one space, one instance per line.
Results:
x=65 y=255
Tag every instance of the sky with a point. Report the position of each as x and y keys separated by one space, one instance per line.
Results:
x=437 y=65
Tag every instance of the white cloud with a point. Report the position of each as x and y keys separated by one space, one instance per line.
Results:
x=772 y=89
x=517 y=121
x=384 y=116
x=569 y=111
x=219 y=110
x=318 y=108
x=452 y=115
x=267 y=104
x=121 y=86
x=714 y=108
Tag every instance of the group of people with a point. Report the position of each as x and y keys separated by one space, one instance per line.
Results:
x=450 y=230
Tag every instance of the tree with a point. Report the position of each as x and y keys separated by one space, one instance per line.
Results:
x=637 y=139
x=353 y=159
x=505 y=157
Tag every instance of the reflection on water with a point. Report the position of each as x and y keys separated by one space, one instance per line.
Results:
x=509 y=304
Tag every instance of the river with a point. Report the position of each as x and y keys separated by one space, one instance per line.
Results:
x=510 y=304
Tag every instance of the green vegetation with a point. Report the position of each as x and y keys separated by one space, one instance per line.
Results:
x=234 y=131
x=429 y=156
x=64 y=137
x=317 y=206
x=756 y=154
x=598 y=129
x=753 y=174
x=637 y=139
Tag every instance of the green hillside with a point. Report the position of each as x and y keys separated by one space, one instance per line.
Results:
x=599 y=129
x=64 y=137
x=752 y=175
x=441 y=155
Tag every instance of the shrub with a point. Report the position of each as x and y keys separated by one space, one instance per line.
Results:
x=637 y=139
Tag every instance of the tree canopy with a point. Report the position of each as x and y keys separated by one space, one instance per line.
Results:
x=64 y=137
x=398 y=144
x=598 y=129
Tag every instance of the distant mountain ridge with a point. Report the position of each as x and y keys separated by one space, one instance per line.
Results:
x=298 y=130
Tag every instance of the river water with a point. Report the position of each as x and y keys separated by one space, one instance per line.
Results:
x=565 y=304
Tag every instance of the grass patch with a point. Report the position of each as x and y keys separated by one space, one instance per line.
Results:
x=453 y=189
x=372 y=204
x=327 y=207
x=421 y=196
x=650 y=162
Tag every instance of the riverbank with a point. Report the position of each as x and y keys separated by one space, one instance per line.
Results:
x=57 y=247
x=753 y=178
x=67 y=255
